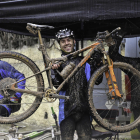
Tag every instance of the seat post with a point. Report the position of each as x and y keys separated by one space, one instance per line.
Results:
x=46 y=58
x=40 y=37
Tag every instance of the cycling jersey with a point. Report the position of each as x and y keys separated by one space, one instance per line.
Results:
x=76 y=88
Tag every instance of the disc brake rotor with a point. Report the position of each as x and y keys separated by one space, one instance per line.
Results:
x=4 y=91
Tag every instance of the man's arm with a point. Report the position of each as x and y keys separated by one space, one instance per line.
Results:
x=95 y=63
x=56 y=78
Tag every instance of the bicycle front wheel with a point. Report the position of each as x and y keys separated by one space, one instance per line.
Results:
x=114 y=114
x=29 y=103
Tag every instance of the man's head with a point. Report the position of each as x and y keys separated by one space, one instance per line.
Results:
x=66 y=40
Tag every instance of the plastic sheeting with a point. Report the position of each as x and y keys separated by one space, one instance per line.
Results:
x=85 y=17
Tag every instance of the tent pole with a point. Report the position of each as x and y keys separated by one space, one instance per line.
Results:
x=82 y=37
x=77 y=45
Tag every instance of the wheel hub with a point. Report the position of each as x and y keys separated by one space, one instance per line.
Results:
x=4 y=83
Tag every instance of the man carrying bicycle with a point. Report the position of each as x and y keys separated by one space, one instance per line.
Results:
x=9 y=73
x=74 y=113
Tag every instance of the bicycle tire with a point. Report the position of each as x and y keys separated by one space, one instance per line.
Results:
x=27 y=67
x=104 y=110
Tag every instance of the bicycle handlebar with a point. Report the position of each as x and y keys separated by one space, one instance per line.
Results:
x=106 y=34
x=115 y=30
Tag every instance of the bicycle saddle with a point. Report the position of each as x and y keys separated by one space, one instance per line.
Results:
x=36 y=26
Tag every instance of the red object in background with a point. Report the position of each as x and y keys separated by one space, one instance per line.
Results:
x=128 y=88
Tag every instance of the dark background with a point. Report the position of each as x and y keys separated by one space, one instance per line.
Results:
x=85 y=17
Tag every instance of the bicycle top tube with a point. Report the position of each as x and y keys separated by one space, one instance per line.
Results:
x=73 y=54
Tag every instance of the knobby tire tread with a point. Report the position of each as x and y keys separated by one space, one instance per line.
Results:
x=96 y=117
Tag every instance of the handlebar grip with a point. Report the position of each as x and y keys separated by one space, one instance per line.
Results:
x=117 y=29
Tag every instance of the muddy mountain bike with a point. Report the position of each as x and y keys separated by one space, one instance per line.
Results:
x=104 y=99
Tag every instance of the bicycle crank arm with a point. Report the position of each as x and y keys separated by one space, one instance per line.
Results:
x=58 y=96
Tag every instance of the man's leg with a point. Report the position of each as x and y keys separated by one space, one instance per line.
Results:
x=83 y=127
x=67 y=128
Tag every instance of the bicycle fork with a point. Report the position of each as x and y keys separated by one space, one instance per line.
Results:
x=111 y=79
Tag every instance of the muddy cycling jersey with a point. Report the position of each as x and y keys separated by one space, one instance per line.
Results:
x=76 y=88
x=6 y=70
x=77 y=93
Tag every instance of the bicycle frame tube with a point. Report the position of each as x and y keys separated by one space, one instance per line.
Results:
x=46 y=59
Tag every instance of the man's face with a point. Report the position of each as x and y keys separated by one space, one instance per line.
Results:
x=67 y=44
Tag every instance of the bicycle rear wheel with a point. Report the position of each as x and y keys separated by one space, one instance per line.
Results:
x=114 y=114
x=29 y=103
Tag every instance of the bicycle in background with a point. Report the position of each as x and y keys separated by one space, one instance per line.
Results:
x=52 y=132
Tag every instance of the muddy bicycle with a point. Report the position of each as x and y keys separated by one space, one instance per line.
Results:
x=114 y=91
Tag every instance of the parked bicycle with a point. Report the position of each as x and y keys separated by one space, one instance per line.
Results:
x=51 y=132
x=39 y=134
x=114 y=93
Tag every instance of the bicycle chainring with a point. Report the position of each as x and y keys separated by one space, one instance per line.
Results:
x=47 y=93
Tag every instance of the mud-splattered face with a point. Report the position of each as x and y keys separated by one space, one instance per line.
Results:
x=67 y=44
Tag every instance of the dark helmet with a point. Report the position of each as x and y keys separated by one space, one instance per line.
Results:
x=64 y=33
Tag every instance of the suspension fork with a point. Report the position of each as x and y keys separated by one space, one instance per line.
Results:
x=112 y=82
